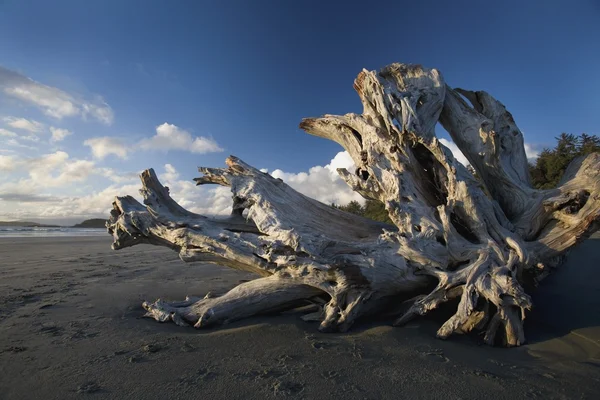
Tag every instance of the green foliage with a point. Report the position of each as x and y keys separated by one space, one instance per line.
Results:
x=353 y=207
x=372 y=209
x=552 y=163
x=376 y=211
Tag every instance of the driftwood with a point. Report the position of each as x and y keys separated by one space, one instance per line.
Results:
x=481 y=238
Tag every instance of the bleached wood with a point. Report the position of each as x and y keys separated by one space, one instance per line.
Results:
x=480 y=239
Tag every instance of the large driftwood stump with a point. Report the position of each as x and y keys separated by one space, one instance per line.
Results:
x=481 y=239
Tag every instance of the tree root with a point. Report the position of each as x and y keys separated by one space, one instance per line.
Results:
x=259 y=296
x=477 y=235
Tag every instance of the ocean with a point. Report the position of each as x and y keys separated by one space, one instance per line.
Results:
x=23 y=231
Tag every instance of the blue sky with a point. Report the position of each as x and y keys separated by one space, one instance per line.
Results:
x=240 y=75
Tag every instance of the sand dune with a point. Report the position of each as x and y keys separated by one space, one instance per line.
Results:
x=71 y=327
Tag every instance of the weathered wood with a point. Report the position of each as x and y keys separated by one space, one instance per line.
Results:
x=479 y=238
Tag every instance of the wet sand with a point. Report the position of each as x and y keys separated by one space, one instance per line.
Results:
x=71 y=327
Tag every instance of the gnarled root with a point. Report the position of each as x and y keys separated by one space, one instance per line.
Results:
x=490 y=295
x=477 y=235
x=259 y=296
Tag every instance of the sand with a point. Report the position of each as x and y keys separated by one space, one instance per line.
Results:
x=71 y=327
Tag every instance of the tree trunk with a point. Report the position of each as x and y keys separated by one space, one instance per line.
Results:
x=479 y=238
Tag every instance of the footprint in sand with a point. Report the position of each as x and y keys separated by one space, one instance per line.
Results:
x=331 y=375
x=51 y=329
x=286 y=388
x=14 y=349
x=187 y=348
x=201 y=375
x=320 y=345
x=89 y=387
x=432 y=354
x=152 y=348
x=47 y=305
x=482 y=373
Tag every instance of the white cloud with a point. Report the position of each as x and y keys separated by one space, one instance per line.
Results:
x=104 y=146
x=7 y=133
x=532 y=152
x=170 y=175
x=28 y=199
x=460 y=157
x=57 y=169
x=31 y=138
x=31 y=196
x=323 y=183
x=118 y=176
x=15 y=143
x=35 y=196
x=59 y=134
x=341 y=160
x=205 y=200
x=168 y=137
x=43 y=206
x=171 y=137
x=7 y=163
x=25 y=124
x=52 y=101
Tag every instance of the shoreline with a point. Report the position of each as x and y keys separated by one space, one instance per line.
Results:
x=50 y=232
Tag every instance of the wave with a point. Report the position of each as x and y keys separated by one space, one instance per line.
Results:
x=24 y=231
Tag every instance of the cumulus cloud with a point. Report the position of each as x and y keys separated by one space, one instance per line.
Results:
x=59 y=134
x=94 y=204
x=49 y=170
x=57 y=169
x=51 y=185
x=170 y=174
x=53 y=102
x=35 y=196
x=25 y=124
x=205 y=200
x=104 y=146
x=61 y=208
x=171 y=137
x=320 y=182
x=167 y=137
x=323 y=182
x=31 y=201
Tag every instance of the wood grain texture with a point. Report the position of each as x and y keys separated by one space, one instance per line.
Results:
x=480 y=237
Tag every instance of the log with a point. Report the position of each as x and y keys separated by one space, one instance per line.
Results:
x=454 y=236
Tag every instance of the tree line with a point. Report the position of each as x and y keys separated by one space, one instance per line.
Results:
x=546 y=171
x=549 y=167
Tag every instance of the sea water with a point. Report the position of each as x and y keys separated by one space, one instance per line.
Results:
x=28 y=231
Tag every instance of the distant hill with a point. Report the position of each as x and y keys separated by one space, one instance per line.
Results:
x=27 y=224
x=92 y=223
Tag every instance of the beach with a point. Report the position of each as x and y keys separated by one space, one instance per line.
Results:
x=71 y=326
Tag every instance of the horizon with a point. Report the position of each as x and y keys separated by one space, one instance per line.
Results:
x=91 y=94
x=46 y=223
